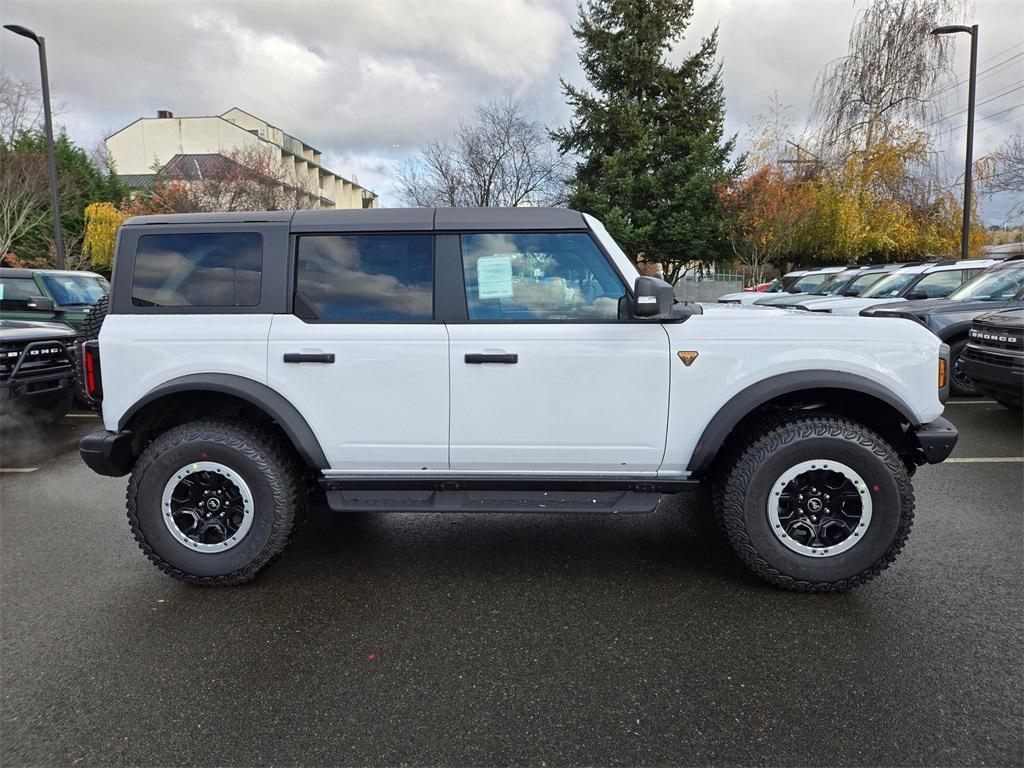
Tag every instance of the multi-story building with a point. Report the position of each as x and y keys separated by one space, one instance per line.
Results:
x=185 y=145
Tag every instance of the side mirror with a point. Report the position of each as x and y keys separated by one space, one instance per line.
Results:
x=654 y=298
x=914 y=295
x=851 y=292
x=40 y=304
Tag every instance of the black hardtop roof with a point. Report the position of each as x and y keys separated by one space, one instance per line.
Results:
x=388 y=219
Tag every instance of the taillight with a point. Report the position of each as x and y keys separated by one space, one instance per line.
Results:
x=91 y=368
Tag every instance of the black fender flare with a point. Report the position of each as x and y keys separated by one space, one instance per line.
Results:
x=271 y=402
x=955 y=330
x=759 y=393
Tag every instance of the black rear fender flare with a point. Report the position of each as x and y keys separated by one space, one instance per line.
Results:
x=262 y=397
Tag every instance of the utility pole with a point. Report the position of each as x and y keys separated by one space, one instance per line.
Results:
x=965 y=234
x=58 y=238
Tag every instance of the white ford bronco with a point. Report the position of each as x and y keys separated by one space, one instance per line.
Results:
x=472 y=360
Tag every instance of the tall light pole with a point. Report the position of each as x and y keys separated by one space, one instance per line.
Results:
x=965 y=236
x=58 y=238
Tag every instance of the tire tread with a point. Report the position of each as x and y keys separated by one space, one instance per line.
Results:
x=278 y=466
x=731 y=482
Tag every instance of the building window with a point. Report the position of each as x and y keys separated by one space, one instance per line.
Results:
x=365 y=278
x=198 y=270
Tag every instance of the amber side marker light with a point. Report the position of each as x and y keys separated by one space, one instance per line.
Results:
x=687 y=357
x=942 y=373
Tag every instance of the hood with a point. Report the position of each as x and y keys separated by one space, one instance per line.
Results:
x=853 y=306
x=783 y=324
x=781 y=299
x=927 y=307
x=1011 y=318
x=30 y=330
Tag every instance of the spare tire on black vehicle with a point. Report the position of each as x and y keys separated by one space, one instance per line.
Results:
x=90 y=331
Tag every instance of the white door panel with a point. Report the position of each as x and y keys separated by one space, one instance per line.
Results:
x=382 y=405
x=581 y=398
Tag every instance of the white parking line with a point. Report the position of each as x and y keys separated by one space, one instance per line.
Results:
x=971 y=402
x=989 y=460
x=18 y=469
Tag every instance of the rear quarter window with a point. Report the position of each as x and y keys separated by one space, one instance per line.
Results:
x=198 y=269
x=16 y=291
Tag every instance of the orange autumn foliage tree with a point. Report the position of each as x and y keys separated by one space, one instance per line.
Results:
x=766 y=212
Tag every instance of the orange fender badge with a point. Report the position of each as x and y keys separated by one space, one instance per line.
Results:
x=687 y=357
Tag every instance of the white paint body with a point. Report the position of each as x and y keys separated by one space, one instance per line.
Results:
x=607 y=398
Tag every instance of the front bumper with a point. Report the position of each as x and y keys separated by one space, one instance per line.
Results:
x=934 y=441
x=108 y=453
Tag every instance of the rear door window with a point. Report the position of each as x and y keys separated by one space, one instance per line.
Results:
x=198 y=269
x=365 y=278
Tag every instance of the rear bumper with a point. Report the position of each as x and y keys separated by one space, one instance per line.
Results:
x=934 y=442
x=107 y=453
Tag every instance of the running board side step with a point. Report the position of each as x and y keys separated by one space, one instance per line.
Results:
x=499 y=494
x=625 y=502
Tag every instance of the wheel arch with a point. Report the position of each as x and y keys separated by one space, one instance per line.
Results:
x=847 y=394
x=951 y=334
x=169 y=404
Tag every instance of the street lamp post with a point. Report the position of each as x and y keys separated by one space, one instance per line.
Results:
x=58 y=238
x=965 y=236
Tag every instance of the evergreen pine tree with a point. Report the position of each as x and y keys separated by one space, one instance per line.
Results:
x=649 y=134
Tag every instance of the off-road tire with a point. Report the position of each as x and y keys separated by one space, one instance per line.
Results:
x=741 y=498
x=955 y=388
x=268 y=466
x=90 y=331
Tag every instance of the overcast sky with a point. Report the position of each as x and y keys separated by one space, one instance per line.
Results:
x=367 y=82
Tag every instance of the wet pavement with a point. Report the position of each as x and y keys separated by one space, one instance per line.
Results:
x=509 y=639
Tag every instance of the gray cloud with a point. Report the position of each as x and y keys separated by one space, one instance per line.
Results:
x=368 y=82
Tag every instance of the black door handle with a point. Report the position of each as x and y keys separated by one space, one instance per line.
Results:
x=477 y=359
x=309 y=357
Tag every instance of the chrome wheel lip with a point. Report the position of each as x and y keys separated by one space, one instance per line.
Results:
x=806 y=466
x=167 y=513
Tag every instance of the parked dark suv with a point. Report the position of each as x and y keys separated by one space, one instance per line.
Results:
x=999 y=287
x=53 y=295
x=994 y=357
x=37 y=375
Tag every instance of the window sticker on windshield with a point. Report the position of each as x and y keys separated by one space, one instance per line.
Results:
x=494 y=277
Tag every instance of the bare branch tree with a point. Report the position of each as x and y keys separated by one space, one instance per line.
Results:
x=1007 y=173
x=888 y=77
x=500 y=159
x=21 y=108
x=24 y=196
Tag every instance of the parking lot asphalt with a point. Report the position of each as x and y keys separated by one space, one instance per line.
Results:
x=495 y=640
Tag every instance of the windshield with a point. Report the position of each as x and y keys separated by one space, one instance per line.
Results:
x=781 y=284
x=76 y=290
x=832 y=286
x=992 y=286
x=807 y=283
x=774 y=287
x=860 y=284
x=889 y=286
